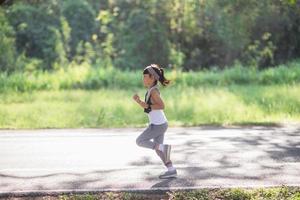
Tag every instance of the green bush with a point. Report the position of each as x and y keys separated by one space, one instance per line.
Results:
x=81 y=19
x=36 y=34
x=190 y=195
x=187 y=35
x=136 y=50
x=85 y=76
x=7 y=44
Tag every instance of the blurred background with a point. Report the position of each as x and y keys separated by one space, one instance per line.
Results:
x=77 y=63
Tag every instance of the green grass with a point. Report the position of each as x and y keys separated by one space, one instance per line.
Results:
x=185 y=106
x=274 y=193
x=83 y=96
x=277 y=193
x=87 y=77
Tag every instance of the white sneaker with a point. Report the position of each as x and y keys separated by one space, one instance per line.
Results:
x=168 y=174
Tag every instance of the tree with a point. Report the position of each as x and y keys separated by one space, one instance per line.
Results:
x=36 y=33
x=7 y=44
x=81 y=19
x=142 y=41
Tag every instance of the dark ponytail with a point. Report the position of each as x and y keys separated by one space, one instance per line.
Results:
x=163 y=79
x=160 y=71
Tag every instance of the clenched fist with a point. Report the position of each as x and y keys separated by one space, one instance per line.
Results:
x=136 y=98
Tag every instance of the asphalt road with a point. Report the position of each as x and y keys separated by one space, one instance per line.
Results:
x=78 y=160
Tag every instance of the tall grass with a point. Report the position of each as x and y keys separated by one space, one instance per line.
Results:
x=87 y=77
x=185 y=106
x=83 y=96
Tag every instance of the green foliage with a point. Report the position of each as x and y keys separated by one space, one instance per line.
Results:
x=112 y=106
x=278 y=193
x=280 y=20
x=7 y=45
x=136 y=49
x=81 y=19
x=186 y=35
x=36 y=35
x=236 y=194
x=189 y=195
x=84 y=76
x=110 y=196
x=115 y=108
x=261 y=52
x=105 y=44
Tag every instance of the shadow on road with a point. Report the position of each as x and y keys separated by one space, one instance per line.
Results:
x=261 y=155
x=258 y=156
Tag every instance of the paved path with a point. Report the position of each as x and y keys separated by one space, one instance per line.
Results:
x=108 y=159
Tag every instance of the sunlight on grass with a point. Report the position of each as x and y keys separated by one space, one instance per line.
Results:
x=185 y=106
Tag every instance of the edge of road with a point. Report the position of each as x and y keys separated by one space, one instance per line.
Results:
x=159 y=190
x=204 y=126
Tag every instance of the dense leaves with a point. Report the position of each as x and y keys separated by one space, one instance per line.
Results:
x=189 y=35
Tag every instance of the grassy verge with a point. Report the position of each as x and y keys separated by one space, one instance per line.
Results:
x=276 y=193
x=87 y=77
x=185 y=106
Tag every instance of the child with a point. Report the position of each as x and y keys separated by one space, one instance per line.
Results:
x=158 y=124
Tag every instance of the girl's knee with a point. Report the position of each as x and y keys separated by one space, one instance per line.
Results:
x=138 y=142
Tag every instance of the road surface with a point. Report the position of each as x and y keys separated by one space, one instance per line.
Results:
x=79 y=160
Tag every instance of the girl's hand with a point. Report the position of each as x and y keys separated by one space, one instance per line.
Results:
x=136 y=98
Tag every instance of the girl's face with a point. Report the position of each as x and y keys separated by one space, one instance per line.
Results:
x=148 y=80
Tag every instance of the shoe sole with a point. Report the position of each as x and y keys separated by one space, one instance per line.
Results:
x=168 y=176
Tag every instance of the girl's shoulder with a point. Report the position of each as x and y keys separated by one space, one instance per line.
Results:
x=155 y=90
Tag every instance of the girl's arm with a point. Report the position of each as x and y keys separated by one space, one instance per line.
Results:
x=157 y=102
x=139 y=101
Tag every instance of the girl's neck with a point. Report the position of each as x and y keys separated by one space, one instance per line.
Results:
x=152 y=85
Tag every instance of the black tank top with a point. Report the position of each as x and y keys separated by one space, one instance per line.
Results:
x=147 y=110
x=148 y=101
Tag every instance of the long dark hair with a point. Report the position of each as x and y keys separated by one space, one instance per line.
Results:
x=160 y=71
